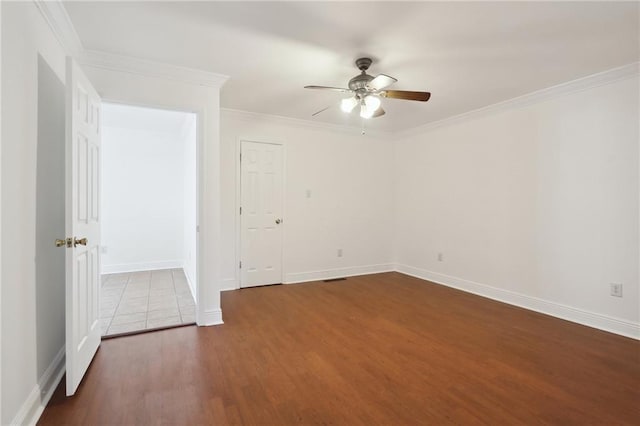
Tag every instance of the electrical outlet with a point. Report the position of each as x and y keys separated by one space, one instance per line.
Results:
x=616 y=289
x=440 y=257
x=339 y=252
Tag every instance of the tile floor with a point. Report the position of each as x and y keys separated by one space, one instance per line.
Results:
x=145 y=300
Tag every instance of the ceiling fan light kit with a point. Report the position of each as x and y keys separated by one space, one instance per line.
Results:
x=367 y=91
x=347 y=105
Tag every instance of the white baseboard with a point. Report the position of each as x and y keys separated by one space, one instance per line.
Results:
x=229 y=284
x=191 y=284
x=141 y=266
x=301 y=277
x=213 y=317
x=580 y=316
x=32 y=408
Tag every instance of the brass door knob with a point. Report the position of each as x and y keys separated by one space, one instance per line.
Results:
x=63 y=243
x=81 y=242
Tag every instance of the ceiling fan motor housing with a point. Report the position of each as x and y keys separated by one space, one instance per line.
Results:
x=359 y=83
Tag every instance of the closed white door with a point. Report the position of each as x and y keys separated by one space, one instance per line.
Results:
x=82 y=224
x=260 y=214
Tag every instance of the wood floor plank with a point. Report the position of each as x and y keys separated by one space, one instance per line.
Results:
x=377 y=349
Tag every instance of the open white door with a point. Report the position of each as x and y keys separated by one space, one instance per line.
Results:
x=82 y=224
x=261 y=214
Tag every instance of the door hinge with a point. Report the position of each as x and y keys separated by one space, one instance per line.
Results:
x=240 y=210
x=241 y=157
x=240 y=264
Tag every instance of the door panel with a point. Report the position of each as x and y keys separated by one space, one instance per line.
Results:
x=82 y=221
x=261 y=202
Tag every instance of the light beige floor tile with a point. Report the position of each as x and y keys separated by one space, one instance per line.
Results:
x=133 y=292
x=163 y=313
x=188 y=310
x=126 y=328
x=139 y=275
x=107 y=312
x=109 y=303
x=111 y=292
x=162 y=292
x=164 y=322
x=163 y=298
x=127 y=318
x=161 y=275
x=114 y=285
x=180 y=281
x=104 y=324
x=184 y=292
x=133 y=305
x=162 y=284
x=178 y=273
x=188 y=318
x=185 y=301
x=163 y=304
x=139 y=284
x=116 y=277
x=133 y=301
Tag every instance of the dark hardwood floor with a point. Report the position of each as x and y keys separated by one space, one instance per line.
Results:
x=377 y=349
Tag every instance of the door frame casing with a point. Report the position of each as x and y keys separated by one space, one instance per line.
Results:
x=200 y=114
x=238 y=219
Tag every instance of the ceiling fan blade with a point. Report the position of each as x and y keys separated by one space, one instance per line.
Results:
x=379 y=112
x=406 y=95
x=380 y=82
x=318 y=112
x=335 y=89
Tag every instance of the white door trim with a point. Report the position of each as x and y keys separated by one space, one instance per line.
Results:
x=238 y=222
x=200 y=115
x=0 y=218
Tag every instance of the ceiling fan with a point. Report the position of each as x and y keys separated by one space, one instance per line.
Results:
x=367 y=91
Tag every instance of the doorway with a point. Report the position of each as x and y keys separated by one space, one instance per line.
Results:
x=261 y=221
x=148 y=228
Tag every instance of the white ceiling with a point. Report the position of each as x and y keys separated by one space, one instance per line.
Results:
x=468 y=54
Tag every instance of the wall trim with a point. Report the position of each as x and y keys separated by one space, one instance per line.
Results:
x=229 y=284
x=32 y=408
x=558 y=310
x=141 y=266
x=128 y=64
x=569 y=87
x=327 y=274
x=212 y=317
x=60 y=23
x=300 y=123
x=190 y=283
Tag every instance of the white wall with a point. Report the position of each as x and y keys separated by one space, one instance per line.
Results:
x=143 y=191
x=349 y=177
x=539 y=201
x=190 y=186
x=25 y=34
x=50 y=216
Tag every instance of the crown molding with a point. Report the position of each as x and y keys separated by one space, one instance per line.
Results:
x=573 y=86
x=296 y=122
x=128 y=64
x=56 y=16
x=60 y=23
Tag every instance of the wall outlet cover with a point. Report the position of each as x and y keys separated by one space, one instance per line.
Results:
x=616 y=289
